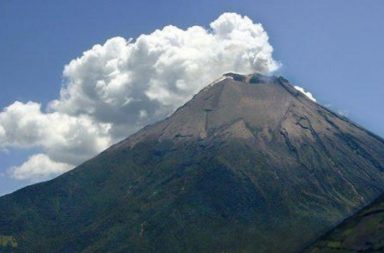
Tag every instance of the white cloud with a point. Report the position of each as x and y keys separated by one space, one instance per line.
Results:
x=64 y=138
x=306 y=93
x=38 y=167
x=2 y=132
x=116 y=88
x=122 y=80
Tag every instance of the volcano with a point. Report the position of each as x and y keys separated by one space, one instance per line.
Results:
x=249 y=164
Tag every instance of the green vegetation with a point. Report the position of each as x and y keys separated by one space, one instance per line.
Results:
x=7 y=242
x=333 y=244
x=363 y=232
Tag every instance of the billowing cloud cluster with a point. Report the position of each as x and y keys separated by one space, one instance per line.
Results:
x=116 y=88
x=131 y=83
x=66 y=140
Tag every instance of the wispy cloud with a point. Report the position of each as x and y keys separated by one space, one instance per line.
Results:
x=306 y=93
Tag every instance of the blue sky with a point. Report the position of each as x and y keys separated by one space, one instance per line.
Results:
x=331 y=48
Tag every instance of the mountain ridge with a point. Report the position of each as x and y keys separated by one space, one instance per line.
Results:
x=361 y=232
